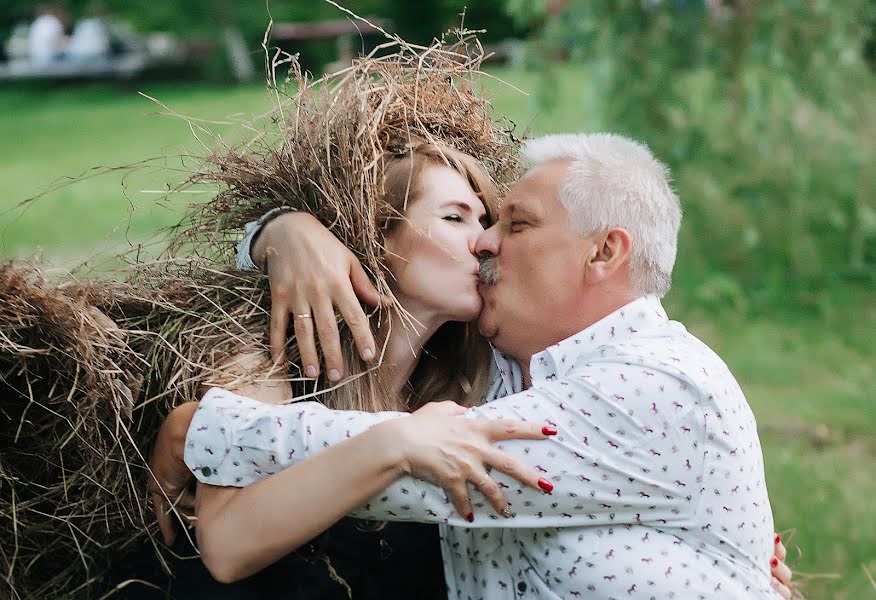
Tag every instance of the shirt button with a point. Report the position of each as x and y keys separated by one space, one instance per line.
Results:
x=521 y=587
x=206 y=471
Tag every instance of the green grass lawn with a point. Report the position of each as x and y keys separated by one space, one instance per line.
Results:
x=809 y=377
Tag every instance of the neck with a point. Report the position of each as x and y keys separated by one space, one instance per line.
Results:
x=404 y=345
x=590 y=310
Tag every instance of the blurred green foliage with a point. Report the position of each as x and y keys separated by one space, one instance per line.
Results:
x=766 y=114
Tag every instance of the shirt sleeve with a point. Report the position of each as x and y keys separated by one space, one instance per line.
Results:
x=250 y=231
x=235 y=441
x=629 y=449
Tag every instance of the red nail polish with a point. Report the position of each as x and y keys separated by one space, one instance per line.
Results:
x=548 y=430
x=774 y=562
x=778 y=538
x=470 y=517
x=545 y=485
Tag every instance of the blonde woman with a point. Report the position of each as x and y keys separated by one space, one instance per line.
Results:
x=436 y=202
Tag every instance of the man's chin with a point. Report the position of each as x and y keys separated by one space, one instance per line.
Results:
x=486 y=324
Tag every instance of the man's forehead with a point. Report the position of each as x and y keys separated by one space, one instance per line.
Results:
x=538 y=187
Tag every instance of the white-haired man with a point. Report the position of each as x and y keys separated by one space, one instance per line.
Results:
x=657 y=475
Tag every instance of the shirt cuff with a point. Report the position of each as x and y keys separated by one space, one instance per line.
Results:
x=209 y=438
x=250 y=230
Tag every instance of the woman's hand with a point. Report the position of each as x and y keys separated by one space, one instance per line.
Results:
x=440 y=447
x=780 y=571
x=311 y=274
x=169 y=483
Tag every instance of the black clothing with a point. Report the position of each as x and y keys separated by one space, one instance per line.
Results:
x=393 y=560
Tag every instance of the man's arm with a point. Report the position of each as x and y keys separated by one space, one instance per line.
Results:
x=251 y=232
x=605 y=466
x=312 y=275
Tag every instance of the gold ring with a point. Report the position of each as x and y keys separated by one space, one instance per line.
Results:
x=303 y=316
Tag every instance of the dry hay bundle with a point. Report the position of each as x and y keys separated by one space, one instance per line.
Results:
x=324 y=148
x=88 y=369
x=68 y=385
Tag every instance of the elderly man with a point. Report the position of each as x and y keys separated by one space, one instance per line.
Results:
x=656 y=472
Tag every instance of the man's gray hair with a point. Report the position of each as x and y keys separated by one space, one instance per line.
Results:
x=614 y=181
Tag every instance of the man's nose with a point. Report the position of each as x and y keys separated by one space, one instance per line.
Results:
x=488 y=242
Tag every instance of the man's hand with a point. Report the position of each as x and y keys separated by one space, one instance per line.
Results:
x=170 y=478
x=311 y=274
x=440 y=447
x=780 y=571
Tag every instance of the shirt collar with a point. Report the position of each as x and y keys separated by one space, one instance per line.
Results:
x=509 y=370
x=556 y=361
x=622 y=325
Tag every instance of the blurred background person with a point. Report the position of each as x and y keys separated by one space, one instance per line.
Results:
x=91 y=35
x=47 y=40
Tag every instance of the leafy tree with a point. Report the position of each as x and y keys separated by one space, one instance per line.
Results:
x=765 y=112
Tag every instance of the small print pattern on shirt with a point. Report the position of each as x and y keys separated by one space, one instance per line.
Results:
x=659 y=487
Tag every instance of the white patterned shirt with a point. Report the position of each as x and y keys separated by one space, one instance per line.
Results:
x=659 y=487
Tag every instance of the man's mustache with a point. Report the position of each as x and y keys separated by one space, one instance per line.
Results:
x=489 y=270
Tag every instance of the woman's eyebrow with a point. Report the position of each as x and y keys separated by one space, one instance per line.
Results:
x=458 y=203
x=461 y=204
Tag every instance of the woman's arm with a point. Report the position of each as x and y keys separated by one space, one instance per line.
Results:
x=242 y=530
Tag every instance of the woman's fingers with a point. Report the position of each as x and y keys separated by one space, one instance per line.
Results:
x=279 y=324
x=780 y=570
x=356 y=320
x=165 y=520
x=329 y=339
x=304 y=337
x=362 y=284
x=783 y=590
x=458 y=492
x=498 y=430
x=491 y=491
x=186 y=501
x=780 y=551
x=507 y=464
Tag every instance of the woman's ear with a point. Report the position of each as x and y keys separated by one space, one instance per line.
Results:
x=608 y=253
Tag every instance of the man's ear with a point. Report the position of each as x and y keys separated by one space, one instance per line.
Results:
x=609 y=252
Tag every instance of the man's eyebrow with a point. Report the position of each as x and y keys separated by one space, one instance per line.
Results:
x=520 y=211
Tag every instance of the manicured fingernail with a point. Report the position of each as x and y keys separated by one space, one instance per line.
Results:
x=470 y=517
x=548 y=430
x=774 y=562
x=334 y=374
x=545 y=485
x=310 y=371
x=778 y=538
x=367 y=353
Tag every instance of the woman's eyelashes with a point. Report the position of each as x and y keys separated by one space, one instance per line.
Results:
x=483 y=222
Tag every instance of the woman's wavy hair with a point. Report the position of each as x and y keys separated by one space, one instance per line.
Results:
x=455 y=362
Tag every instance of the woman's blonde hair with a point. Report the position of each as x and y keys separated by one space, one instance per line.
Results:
x=455 y=362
